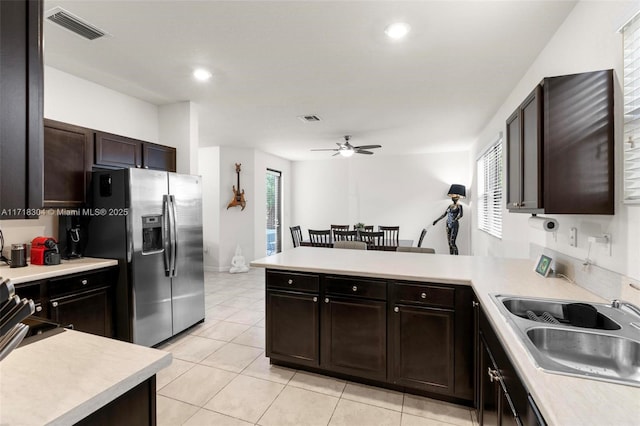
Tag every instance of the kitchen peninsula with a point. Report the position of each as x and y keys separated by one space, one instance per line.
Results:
x=562 y=400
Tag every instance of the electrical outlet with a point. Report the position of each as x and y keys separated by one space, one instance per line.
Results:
x=608 y=244
x=573 y=237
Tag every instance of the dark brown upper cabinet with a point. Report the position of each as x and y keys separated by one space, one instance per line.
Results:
x=560 y=155
x=120 y=151
x=21 y=108
x=68 y=153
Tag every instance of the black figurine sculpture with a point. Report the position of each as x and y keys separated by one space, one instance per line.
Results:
x=453 y=214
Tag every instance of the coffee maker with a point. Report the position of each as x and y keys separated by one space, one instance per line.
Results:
x=72 y=235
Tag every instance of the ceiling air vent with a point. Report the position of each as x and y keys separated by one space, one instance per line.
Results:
x=73 y=23
x=309 y=118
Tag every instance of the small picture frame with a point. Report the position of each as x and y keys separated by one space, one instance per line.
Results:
x=543 y=266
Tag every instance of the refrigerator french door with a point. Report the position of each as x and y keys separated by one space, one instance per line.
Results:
x=153 y=226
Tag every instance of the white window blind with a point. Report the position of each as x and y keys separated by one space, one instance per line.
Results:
x=631 y=35
x=490 y=190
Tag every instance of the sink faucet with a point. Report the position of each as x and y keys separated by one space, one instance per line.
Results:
x=615 y=303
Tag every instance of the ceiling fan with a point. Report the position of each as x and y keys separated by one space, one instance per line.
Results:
x=347 y=150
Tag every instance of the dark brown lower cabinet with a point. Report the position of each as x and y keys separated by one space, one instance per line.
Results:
x=503 y=399
x=84 y=300
x=136 y=407
x=423 y=348
x=89 y=311
x=354 y=336
x=292 y=327
x=409 y=336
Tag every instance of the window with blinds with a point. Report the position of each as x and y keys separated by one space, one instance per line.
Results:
x=490 y=190
x=631 y=35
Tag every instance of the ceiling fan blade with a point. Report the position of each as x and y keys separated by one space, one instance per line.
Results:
x=325 y=149
x=368 y=146
x=359 y=151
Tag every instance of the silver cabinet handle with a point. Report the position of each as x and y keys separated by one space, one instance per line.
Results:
x=326 y=300
x=290 y=282
x=84 y=282
x=493 y=374
x=38 y=308
x=315 y=299
x=423 y=295
x=146 y=167
x=354 y=288
x=396 y=309
x=138 y=166
x=54 y=304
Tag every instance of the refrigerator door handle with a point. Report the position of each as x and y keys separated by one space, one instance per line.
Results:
x=174 y=236
x=166 y=232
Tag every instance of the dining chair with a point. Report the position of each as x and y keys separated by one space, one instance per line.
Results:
x=374 y=239
x=422 y=234
x=339 y=227
x=390 y=234
x=320 y=238
x=428 y=250
x=296 y=235
x=356 y=245
x=345 y=235
x=368 y=228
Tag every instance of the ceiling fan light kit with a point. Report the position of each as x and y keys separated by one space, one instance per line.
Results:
x=347 y=150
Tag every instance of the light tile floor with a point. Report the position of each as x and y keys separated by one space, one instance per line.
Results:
x=220 y=376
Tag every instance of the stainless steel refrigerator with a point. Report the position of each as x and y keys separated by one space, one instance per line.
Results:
x=151 y=221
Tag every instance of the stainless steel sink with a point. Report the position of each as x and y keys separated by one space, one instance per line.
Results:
x=609 y=352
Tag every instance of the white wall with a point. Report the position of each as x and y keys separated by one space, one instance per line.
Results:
x=178 y=127
x=224 y=228
x=409 y=191
x=586 y=41
x=81 y=102
x=209 y=159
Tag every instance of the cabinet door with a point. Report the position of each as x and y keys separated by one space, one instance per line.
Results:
x=68 y=155
x=531 y=124
x=353 y=337
x=579 y=126
x=514 y=161
x=292 y=327
x=489 y=402
x=117 y=151
x=159 y=157
x=423 y=348
x=90 y=311
x=21 y=108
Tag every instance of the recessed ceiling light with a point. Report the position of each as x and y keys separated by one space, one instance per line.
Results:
x=201 y=74
x=398 y=30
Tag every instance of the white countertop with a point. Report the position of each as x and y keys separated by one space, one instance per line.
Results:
x=40 y=272
x=63 y=378
x=563 y=400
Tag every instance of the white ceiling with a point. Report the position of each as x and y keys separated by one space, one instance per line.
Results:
x=274 y=61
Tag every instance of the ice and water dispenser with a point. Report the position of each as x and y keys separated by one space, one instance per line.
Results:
x=151 y=234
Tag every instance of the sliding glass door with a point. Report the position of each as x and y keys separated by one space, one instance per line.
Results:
x=274 y=212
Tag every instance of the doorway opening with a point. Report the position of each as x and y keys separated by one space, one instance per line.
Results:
x=274 y=212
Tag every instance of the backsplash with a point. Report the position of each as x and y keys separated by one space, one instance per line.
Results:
x=23 y=231
x=602 y=282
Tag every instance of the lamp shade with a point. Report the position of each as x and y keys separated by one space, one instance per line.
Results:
x=459 y=190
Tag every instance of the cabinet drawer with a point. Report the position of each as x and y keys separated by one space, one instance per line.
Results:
x=79 y=282
x=425 y=295
x=356 y=287
x=293 y=281
x=31 y=291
